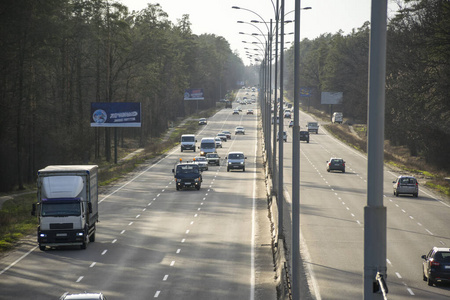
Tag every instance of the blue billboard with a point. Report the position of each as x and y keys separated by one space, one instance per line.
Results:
x=115 y=114
x=193 y=94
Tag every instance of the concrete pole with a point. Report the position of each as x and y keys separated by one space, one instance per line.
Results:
x=296 y=161
x=375 y=212
x=280 y=132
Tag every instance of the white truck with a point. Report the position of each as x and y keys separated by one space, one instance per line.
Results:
x=67 y=205
x=313 y=127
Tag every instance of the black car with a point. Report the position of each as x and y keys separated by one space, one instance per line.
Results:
x=436 y=265
x=337 y=164
x=304 y=136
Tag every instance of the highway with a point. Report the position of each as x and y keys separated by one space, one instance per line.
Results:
x=332 y=223
x=155 y=242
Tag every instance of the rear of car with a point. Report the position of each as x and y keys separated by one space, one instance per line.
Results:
x=239 y=130
x=336 y=164
x=218 y=141
x=406 y=185
x=304 y=136
x=436 y=266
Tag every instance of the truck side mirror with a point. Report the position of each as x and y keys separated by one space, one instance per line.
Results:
x=33 y=209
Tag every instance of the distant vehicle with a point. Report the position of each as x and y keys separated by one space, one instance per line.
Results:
x=235 y=112
x=284 y=136
x=304 y=136
x=239 y=130
x=236 y=161
x=436 y=266
x=337 y=164
x=213 y=158
x=202 y=121
x=338 y=117
x=291 y=123
x=249 y=111
x=313 y=127
x=202 y=162
x=83 y=296
x=228 y=104
x=207 y=145
x=239 y=108
x=227 y=133
x=287 y=115
x=289 y=105
x=187 y=174
x=188 y=142
x=218 y=141
x=222 y=136
x=406 y=185
x=67 y=207
x=278 y=120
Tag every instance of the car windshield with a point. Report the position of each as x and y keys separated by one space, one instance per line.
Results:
x=236 y=156
x=185 y=169
x=214 y=155
x=336 y=161
x=200 y=158
x=187 y=138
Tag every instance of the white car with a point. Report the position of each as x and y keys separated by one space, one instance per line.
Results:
x=239 y=130
x=202 y=163
x=218 y=141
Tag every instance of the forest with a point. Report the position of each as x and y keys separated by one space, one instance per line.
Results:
x=417 y=108
x=58 y=56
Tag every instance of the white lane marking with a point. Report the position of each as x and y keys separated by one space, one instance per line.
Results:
x=165 y=277
x=196 y=215
x=410 y=291
x=187 y=231
x=114 y=240
x=429 y=231
x=138 y=216
x=183 y=240
x=192 y=222
x=178 y=251
x=388 y=261
x=80 y=278
x=17 y=260
x=172 y=263
x=131 y=223
x=157 y=294
x=92 y=265
x=122 y=232
x=398 y=275
x=104 y=252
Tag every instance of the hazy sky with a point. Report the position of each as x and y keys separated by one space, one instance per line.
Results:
x=217 y=17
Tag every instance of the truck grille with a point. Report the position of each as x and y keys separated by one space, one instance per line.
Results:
x=61 y=226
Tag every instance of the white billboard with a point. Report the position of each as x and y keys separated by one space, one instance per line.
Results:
x=331 y=97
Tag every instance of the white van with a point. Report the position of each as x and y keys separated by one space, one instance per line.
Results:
x=207 y=145
x=188 y=142
x=338 y=117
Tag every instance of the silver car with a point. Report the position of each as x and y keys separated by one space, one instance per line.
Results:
x=406 y=185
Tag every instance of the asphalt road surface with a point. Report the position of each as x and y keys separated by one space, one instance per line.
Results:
x=155 y=242
x=332 y=223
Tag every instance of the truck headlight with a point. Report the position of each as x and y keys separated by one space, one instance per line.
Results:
x=230 y=163
x=42 y=235
x=241 y=162
x=80 y=233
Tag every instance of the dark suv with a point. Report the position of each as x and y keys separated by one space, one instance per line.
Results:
x=187 y=174
x=304 y=136
x=337 y=164
x=436 y=265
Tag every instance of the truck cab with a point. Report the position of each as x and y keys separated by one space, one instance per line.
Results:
x=187 y=175
x=313 y=127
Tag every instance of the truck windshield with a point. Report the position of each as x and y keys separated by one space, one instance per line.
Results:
x=60 y=209
x=187 y=139
x=187 y=169
x=236 y=156
x=208 y=145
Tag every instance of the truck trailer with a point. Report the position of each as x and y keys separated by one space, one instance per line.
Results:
x=67 y=205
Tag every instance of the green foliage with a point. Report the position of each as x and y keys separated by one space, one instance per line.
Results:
x=417 y=108
x=59 y=56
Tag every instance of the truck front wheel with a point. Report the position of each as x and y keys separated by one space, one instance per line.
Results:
x=42 y=248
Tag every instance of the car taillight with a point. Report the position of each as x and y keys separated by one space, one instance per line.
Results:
x=343 y=164
x=434 y=263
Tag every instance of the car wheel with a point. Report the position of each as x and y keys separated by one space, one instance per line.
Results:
x=181 y=149
x=307 y=141
x=178 y=188
x=42 y=248
x=429 y=281
x=328 y=170
x=416 y=195
x=243 y=169
x=343 y=171
x=197 y=187
x=396 y=194
x=228 y=169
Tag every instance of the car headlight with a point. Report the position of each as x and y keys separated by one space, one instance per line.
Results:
x=230 y=163
x=42 y=235
x=241 y=162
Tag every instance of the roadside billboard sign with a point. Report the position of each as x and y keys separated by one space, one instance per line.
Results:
x=331 y=98
x=115 y=114
x=193 y=94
